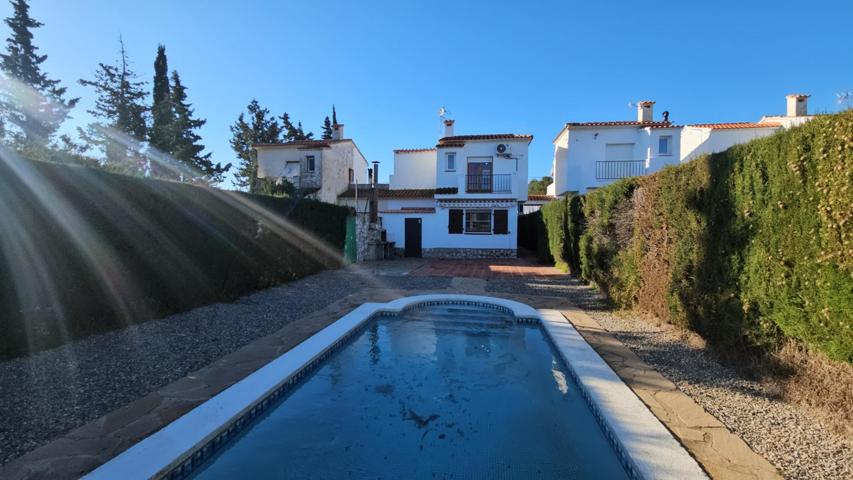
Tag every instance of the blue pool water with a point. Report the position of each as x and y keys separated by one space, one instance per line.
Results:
x=439 y=392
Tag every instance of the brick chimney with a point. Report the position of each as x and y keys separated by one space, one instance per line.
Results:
x=644 y=111
x=448 y=127
x=338 y=131
x=798 y=105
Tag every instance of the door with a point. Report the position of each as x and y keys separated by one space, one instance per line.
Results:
x=413 y=237
x=479 y=177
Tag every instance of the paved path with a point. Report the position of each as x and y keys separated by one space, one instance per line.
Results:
x=96 y=439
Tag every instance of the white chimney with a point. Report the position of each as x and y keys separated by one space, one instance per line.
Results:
x=448 y=127
x=644 y=111
x=798 y=104
x=338 y=131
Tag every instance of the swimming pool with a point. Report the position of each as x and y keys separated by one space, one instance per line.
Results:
x=442 y=391
x=521 y=371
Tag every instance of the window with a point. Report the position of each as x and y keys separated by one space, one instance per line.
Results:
x=501 y=224
x=451 y=161
x=665 y=145
x=478 y=221
x=454 y=224
x=351 y=176
x=309 y=162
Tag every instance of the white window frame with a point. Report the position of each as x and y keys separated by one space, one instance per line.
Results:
x=448 y=167
x=668 y=144
x=488 y=215
x=310 y=163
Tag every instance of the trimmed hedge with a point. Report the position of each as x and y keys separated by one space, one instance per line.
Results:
x=86 y=251
x=746 y=246
x=553 y=232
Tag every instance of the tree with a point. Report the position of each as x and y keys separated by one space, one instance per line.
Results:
x=539 y=187
x=334 y=116
x=31 y=102
x=293 y=132
x=260 y=128
x=184 y=144
x=120 y=105
x=162 y=111
x=327 y=129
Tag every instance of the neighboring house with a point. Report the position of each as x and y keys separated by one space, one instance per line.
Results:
x=323 y=169
x=592 y=154
x=460 y=199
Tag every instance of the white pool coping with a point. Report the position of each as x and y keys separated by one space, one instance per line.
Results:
x=640 y=437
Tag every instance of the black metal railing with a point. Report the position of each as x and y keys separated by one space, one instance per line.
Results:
x=492 y=183
x=616 y=169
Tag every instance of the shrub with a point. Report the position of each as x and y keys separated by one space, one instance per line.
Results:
x=86 y=251
x=553 y=232
x=746 y=246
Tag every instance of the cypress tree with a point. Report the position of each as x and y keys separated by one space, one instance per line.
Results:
x=260 y=128
x=334 y=116
x=35 y=118
x=327 y=129
x=120 y=104
x=162 y=114
x=185 y=144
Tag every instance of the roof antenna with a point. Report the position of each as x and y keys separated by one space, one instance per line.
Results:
x=666 y=116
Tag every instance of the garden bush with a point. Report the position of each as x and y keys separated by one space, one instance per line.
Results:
x=86 y=251
x=747 y=246
x=553 y=232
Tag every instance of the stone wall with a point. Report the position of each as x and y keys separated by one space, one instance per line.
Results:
x=470 y=253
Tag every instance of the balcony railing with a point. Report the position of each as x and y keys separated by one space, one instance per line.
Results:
x=494 y=183
x=616 y=169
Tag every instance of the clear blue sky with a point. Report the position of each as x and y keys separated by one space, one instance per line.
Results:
x=521 y=67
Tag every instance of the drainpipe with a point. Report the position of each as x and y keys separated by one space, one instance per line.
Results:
x=374 y=195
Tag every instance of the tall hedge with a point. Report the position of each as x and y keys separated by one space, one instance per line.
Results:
x=553 y=232
x=746 y=246
x=85 y=251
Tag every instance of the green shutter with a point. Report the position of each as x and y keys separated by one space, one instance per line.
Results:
x=454 y=223
x=500 y=226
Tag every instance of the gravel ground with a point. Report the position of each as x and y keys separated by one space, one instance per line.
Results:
x=50 y=393
x=781 y=432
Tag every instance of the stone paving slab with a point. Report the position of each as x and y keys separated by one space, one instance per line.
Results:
x=721 y=453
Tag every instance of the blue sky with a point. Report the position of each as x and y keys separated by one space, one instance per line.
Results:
x=520 y=67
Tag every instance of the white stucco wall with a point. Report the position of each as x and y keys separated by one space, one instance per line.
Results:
x=697 y=141
x=413 y=170
x=477 y=151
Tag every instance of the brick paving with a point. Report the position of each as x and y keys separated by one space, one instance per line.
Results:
x=487 y=269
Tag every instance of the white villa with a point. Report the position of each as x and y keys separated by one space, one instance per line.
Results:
x=324 y=168
x=588 y=155
x=460 y=199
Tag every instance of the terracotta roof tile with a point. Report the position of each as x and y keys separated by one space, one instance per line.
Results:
x=735 y=125
x=410 y=210
x=303 y=143
x=398 y=193
x=414 y=150
x=619 y=123
x=492 y=136
x=540 y=198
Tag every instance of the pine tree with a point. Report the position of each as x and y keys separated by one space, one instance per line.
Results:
x=120 y=105
x=185 y=142
x=261 y=128
x=31 y=102
x=162 y=111
x=327 y=129
x=293 y=132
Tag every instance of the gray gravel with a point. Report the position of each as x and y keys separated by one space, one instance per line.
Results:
x=50 y=393
x=785 y=434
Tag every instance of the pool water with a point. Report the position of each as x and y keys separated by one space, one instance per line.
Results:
x=439 y=392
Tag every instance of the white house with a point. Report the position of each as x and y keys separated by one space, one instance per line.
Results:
x=588 y=155
x=324 y=168
x=459 y=199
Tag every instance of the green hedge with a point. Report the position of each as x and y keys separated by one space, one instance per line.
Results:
x=553 y=232
x=746 y=246
x=86 y=251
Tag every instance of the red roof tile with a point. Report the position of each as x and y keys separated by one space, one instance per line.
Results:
x=410 y=210
x=619 y=123
x=540 y=198
x=303 y=143
x=398 y=193
x=414 y=150
x=492 y=136
x=735 y=125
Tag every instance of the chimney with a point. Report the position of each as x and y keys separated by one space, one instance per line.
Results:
x=338 y=131
x=448 y=127
x=644 y=111
x=798 y=104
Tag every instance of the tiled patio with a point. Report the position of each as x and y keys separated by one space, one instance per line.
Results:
x=486 y=269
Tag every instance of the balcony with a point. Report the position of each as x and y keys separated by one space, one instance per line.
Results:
x=491 y=183
x=616 y=169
